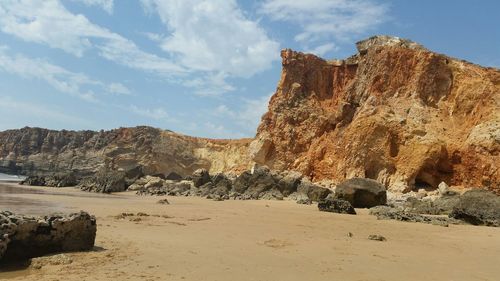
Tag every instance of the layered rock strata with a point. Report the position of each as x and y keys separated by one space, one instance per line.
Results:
x=135 y=151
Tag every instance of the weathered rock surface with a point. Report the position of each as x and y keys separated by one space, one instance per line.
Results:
x=262 y=183
x=362 y=193
x=478 y=207
x=392 y=213
x=336 y=206
x=24 y=237
x=105 y=182
x=36 y=151
x=395 y=112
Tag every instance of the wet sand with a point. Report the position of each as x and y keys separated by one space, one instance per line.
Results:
x=200 y=239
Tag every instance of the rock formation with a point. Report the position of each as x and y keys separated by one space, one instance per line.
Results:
x=394 y=112
x=26 y=237
x=139 y=150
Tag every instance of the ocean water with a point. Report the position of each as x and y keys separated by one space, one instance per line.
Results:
x=5 y=177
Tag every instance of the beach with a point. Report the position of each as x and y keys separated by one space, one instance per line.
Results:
x=198 y=239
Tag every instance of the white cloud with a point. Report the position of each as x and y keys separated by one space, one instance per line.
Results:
x=213 y=37
x=106 y=5
x=49 y=22
x=63 y=80
x=118 y=88
x=248 y=116
x=322 y=20
x=156 y=113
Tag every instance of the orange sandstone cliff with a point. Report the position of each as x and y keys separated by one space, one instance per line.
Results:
x=395 y=112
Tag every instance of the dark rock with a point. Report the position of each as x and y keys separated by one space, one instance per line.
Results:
x=24 y=237
x=336 y=206
x=289 y=183
x=313 y=191
x=105 y=182
x=252 y=185
x=200 y=177
x=478 y=207
x=392 y=213
x=376 y=237
x=440 y=206
x=272 y=194
x=34 y=181
x=242 y=182
x=173 y=176
x=362 y=193
x=163 y=202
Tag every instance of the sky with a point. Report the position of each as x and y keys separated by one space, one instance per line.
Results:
x=204 y=68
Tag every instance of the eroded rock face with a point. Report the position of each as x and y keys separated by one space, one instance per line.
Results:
x=24 y=237
x=395 y=112
x=145 y=150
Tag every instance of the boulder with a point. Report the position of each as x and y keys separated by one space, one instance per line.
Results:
x=478 y=207
x=336 y=206
x=200 y=177
x=289 y=183
x=272 y=194
x=313 y=191
x=174 y=176
x=104 y=182
x=34 y=181
x=253 y=184
x=362 y=193
x=24 y=237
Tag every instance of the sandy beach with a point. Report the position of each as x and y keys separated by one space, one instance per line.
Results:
x=199 y=239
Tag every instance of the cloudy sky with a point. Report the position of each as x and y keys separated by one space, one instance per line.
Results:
x=199 y=67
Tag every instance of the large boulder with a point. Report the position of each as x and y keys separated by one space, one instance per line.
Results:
x=24 y=237
x=362 y=193
x=33 y=181
x=336 y=206
x=478 y=207
x=200 y=177
x=174 y=176
x=313 y=191
x=289 y=183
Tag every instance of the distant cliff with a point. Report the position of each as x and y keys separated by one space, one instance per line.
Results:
x=395 y=112
x=150 y=150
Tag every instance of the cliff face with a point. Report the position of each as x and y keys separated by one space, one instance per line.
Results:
x=42 y=151
x=394 y=112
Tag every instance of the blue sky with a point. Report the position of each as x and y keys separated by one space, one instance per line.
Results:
x=204 y=68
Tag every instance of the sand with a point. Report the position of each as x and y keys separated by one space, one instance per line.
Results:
x=200 y=239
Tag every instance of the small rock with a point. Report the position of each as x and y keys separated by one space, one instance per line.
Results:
x=349 y=234
x=163 y=201
x=377 y=237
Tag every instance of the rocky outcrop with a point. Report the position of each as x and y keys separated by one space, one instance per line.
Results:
x=362 y=193
x=399 y=214
x=478 y=207
x=24 y=237
x=260 y=183
x=146 y=150
x=395 y=112
x=336 y=206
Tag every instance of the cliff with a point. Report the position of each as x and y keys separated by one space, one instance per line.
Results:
x=146 y=149
x=395 y=112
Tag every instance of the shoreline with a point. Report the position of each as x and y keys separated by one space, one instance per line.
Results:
x=198 y=239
